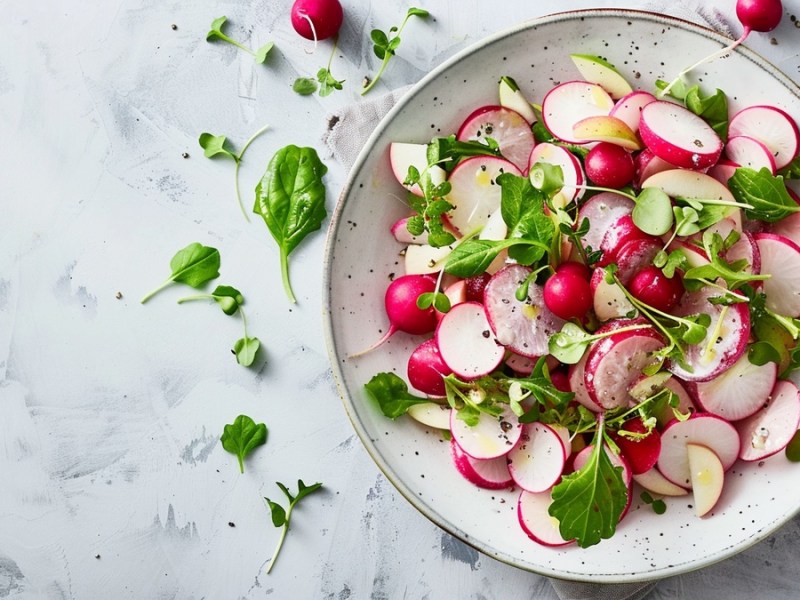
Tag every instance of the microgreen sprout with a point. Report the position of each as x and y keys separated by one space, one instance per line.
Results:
x=282 y=517
x=569 y=344
x=215 y=33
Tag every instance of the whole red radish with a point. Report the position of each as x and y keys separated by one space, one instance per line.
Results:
x=567 y=294
x=642 y=453
x=652 y=287
x=317 y=19
x=759 y=15
x=426 y=369
x=476 y=285
x=575 y=267
x=609 y=165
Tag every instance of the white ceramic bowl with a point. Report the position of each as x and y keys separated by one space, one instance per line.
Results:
x=361 y=255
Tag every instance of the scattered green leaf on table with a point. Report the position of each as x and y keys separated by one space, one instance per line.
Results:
x=216 y=33
x=242 y=437
x=214 y=145
x=327 y=82
x=228 y=298
x=261 y=53
x=246 y=349
x=305 y=86
x=193 y=265
x=282 y=517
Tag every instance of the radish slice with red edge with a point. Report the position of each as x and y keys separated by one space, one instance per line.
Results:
x=749 y=152
x=490 y=474
x=629 y=108
x=466 y=343
x=534 y=518
x=537 y=461
x=780 y=257
x=570 y=167
x=723 y=170
x=648 y=164
x=654 y=481
x=403 y=155
x=507 y=127
x=771 y=429
x=490 y=438
x=609 y=299
x=602 y=210
x=568 y=103
x=619 y=233
x=399 y=230
x=772 y=127
x=678 y=136
x=788 y=227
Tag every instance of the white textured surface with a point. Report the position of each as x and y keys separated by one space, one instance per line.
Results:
x=110 y=412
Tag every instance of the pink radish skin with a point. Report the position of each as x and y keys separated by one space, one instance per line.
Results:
x=772 y=127
x=456 y=293
x=535 y=520
x=634 y=256
x=678 y=136
x=622 y=231
x=490 y=474
x=771 y=429
x=326 y=16
x=609 y=165
x=642 y=453
x=567 y=293
x=400 y=232
x=749 y=152
x=629 y=108
x=780 y=257
x=703 y=429
x=602 y=211
x=505 y=126
x=491 y=438
x=738 y=392
x=723 y=170
x=466 y=343
x=426 y=369
x=537 y=461
x=570 y=102
x=648 y=164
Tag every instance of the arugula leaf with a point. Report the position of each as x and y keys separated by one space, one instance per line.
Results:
x=792 y=170
x=713 y=109
x=447 y=152
x=391 y=394
x=242 y=437
x=588 y=503
x=473 y=257
x=541 y=386
x=522 y=209
x=193 y=265
x=764 y=192
x=291 y=199
x=384 y=46
x=215 y=33
x=732 y=273
x=281 y=517
x=305 y=86
x=228 y=298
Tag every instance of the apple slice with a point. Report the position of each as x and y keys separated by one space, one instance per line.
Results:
x=511 y=97
x=466 y=343
x=602 y=210
x=570 y=167
x=569 y=102
x=772 y=428
x=654 y=481
x=537 y=461
x=422 y=259
x=534 y=518
x=475 y=194
x=749 y=152
x=780 y=257
x=431 y=414
x=506 y=127
x=680 y=183
x=703 y=429
x=403 y=155
x=771 y=126
x=491 y=438
x=604 y=128
x=598 y=70
x=490 y=473
x=629 y=108
x=707 y=476
x=678 y=136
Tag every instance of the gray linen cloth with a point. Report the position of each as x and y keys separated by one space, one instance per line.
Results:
x=351 y=126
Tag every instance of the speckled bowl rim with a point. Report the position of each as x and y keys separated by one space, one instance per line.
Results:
x=336 y=222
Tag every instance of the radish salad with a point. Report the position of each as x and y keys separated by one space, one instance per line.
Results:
x=608 y=288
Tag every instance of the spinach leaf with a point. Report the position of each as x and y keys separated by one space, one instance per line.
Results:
x=193 y=265
x=281 y=517
x=713 y=109
x=522 y=209
x=242 y=437
x=291 y=199
x=763 y=192
x=391 y=394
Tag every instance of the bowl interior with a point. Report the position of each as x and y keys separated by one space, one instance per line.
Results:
x=362 y=257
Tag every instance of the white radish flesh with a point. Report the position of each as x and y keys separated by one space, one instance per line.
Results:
x=653 y=481
x=602 y=210
x=578 y=387
x=431 y=414
x=723 y=170
x=647 y=165
x=570 y=167
x=568 y=103
x=749 y=152
x=609 y=300
x=680 y=183
x=537 y=461
x=400 y=232
x=780 y=258
x=491 y=474
x=678 y=136
x=629 y=108
x=788 y=227
x=466 y=342
x=772 y=428
x=506 y=127
x=490 y=438
x=403 y=155
x=535 y=520
x=772 y=127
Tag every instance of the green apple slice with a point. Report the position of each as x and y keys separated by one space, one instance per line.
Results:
x=597 y=70
x=606 y=129
x=511 y=97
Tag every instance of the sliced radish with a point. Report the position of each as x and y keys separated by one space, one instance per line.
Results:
x=678 y=136
x=506 y=127
x=521 y=364
x=604 y=128
x=422 y=259
x=723 y=170
x=511 y=97
x=536 y=462
x=490 y=438
x=400 y=232
x=749 y=152
x=568 y=103
x=615 y=362
x=535 y=520
x=602 y=210
x=609 y=300
x=744 y=249
x=619 y=233
x=642 y=453
x=770 y=429
x=491 y=473
x=629 y=108
x=695 y=257
x=707 y=476
x=456 y=293
x=649 y=385
x=402 y=156
x=788 y=227
x=466 y=343
x=772 y=127
x=648 y=164
x=634 y=256
x=737 y=392
x=780 y=258
x=598 y=70
x=475 y=194
x=426 y=369
x=431 y=414
x=654 y=481
x=523 y=327
x=680 y=183
x=701 y=428
x=725 y=341
x=578 y=387
x=570 y=167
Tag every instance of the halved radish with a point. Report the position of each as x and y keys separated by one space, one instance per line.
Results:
x=615 y=362
x=695 y=257
x=609 y=300
x=602 y=210
x=771 y=126
x=737 y=392
x=536 y=462
x=431 y=414
x=403 y=155
x=506 y=127
x=642 y=453
x=578 y=387
x=400 y=232
x=654 y=481
x=701 y=428
x=635 y=255
x=570 y=167
x=535 y=520
x=723 y=170
x=707 y=477
x=568 y=103
x=475 y=194
x=523 y=327
x=725 y=341
x=426 y=369
x=629 y=108
x=521 y=364
x=780 y=258
x=466 y=343
x=491 y=473
x=648 y=164
x=749 y=152
x=598 y=70
x=456 y=293
x=604 y=128
x=490 y=438
x=770 y=429
x=678 y=136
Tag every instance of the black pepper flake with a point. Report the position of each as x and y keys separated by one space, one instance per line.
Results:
x=97 y=556
x=231 y=524
x=173 y=27
x=185 y=155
